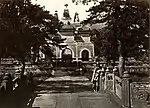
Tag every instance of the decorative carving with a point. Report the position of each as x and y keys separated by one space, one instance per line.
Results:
x=141 y=94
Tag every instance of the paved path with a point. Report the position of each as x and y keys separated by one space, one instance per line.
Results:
x=73 y=100
x=56 y=93
x=66 y=84
x=68 y=78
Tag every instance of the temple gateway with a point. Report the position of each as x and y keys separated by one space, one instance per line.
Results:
x=78 y=42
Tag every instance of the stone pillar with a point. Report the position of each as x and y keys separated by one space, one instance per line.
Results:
x=126 y=90
x=106 y=78
x=100 y=81
x=103 y=78
x=77 y=56
x=94 y=71
x=114 y=81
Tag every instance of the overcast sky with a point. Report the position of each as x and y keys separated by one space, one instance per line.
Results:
x=52 y=5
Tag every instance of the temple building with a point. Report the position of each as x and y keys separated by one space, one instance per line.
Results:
x=78 y=44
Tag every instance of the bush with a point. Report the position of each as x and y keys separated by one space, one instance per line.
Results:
x=139 y=77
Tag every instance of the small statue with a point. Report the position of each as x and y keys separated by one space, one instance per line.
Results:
x=66 y=14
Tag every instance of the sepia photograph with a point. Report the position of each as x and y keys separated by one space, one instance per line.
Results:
x=74 y=54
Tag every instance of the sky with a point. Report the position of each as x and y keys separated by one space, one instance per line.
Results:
x=52 y=5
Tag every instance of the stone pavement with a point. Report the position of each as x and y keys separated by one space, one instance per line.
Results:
x=68 y=78
x=80 y=97
x=73 y=100
x=65 y=84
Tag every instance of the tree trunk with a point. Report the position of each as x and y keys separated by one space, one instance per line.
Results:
x=121 y=59
x=121 y=65
x=0 y=65
x=114 y=63
x=22 y=68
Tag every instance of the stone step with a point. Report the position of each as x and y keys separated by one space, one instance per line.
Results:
x=63 y=88
x=68 y=78
x=65 y=84
x=65 y=68
x=65 y=72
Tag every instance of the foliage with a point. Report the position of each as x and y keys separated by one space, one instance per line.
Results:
x=127 y=23
x=24 y=27
x=104 y=46
x=85 y=2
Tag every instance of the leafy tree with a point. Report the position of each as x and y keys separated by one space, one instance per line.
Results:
x=85 y=2
x=127 y=23
x=25 y=28
x=104 y=45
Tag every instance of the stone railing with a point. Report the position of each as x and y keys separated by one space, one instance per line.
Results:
x=117 y=86
x=140 y=94
x=131 y=94
x=138 y=69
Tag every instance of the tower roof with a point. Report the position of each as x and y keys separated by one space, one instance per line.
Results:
x=68 y=27
x=66 y=14
x=67 y=30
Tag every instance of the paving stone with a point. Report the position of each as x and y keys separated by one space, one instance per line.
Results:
x=68 y=78
x=79 y=95
x=68 y=101
x=45 y=101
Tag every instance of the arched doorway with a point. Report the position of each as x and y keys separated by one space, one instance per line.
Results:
x=85 y=55
x=67 y=55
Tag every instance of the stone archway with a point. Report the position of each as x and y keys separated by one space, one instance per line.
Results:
x=67 y=55
x=85 y=55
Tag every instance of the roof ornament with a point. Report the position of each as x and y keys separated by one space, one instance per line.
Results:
x=56 y=14
x=66 y=14
x=76 y=17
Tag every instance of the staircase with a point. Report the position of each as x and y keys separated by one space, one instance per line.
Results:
x=66 y=71
x=65 y=84
x=60 y=73
x=66 y=79
x=68 y=68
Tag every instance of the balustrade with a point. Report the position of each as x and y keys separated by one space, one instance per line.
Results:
x=138 y=69
x=125 y=91
x=101 y=80
x=123 y=87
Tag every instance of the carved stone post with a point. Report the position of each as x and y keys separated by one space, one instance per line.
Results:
x=114 y=80
x=126 y=90
x=100 y=81
x=103 y=78
x=106 y=78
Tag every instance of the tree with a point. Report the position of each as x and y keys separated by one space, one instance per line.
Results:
x=24 y=27
x=104 y=45
x=127 y=23
x=85 y=2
